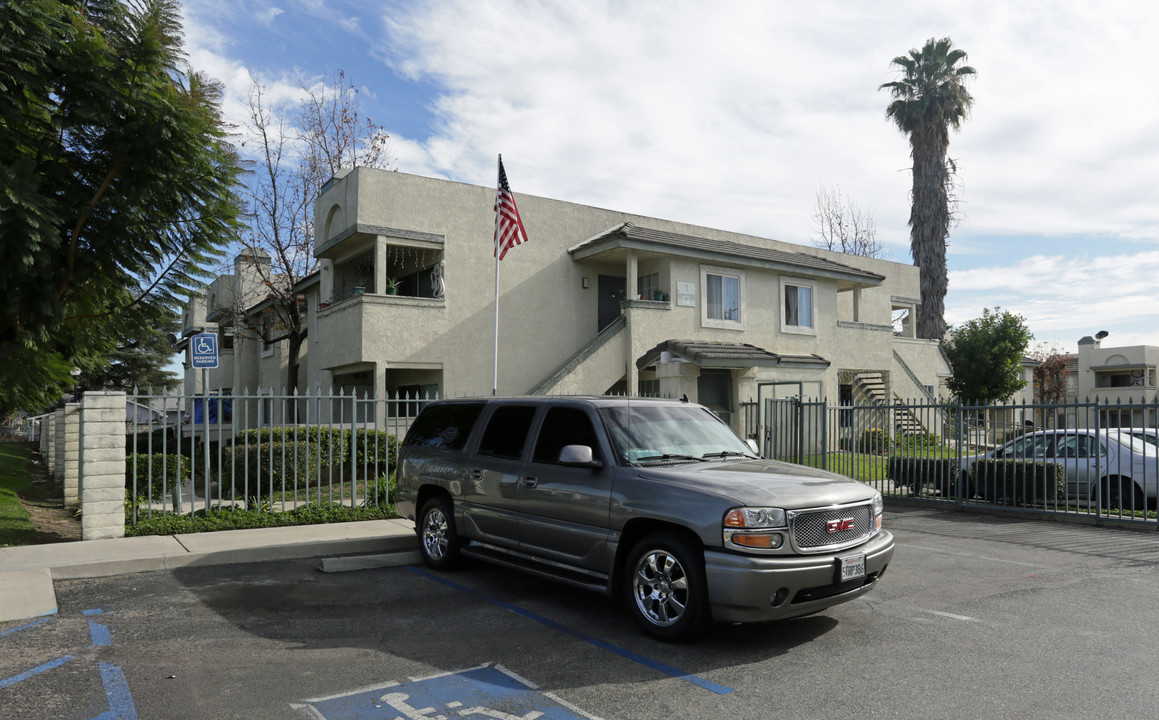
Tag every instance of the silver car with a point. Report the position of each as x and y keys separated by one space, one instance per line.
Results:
x=1109 y=464
x=655 y=502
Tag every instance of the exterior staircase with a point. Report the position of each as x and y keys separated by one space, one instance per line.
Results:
x=872 y=385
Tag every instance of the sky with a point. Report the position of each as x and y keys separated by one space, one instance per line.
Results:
x=736 y=114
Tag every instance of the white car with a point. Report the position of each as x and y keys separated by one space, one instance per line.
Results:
x=1125 y=468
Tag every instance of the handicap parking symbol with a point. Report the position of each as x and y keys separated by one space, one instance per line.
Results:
x=487 y=691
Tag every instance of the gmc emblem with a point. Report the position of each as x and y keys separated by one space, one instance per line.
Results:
x=839 y=525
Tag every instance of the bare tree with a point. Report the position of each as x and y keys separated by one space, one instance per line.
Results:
x=840 y=225
x=294 y=160
x=1051 y=378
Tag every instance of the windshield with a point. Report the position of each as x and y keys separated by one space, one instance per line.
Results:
x=670 y=432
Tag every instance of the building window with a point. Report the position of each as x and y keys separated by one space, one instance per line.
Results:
x=722 y=290
x=799 y=312
x=649 y=286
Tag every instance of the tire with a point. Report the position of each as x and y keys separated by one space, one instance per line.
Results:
x=439 y=540
x=664 y=587
x=1120 y=492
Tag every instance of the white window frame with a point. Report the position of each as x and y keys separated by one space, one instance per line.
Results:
x=705 y=320
x=798 y=329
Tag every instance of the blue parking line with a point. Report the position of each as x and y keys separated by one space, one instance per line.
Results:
x=35 y=671
x=117 y=691
x=99 y=634
x=627 y=654
x=25 y=627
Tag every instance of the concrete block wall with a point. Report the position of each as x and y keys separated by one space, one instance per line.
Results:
x=57 y=465
x=102 y=465
x=46 y=445
x=71 y=464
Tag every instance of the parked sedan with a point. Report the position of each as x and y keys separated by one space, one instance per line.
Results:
x=1125 y=467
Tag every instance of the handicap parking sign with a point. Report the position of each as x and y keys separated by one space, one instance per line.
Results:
x=487 y=691
x=204 y=346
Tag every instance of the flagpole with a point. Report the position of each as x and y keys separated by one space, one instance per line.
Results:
x=495 y=365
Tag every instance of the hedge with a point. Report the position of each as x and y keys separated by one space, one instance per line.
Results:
x=1019 y=482
x=924 y=473
x=256 y=468
x=165 y=471
x=334 y=445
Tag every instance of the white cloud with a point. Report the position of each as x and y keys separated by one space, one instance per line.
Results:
x=649 y=106
x=733 y=114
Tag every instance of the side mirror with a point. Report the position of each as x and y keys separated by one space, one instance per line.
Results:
x=577 y=456
x=753 y=446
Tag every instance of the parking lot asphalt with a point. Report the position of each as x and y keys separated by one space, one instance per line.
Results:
x=977 y=617
x=27 y=572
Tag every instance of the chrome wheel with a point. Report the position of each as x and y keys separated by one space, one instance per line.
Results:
x=439 y=540
x=660 y=585
x=435 y=534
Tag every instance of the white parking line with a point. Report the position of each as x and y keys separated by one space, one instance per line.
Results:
x=952 y=616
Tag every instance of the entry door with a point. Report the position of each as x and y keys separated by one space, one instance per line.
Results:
x=612 y=290
x=714 y=391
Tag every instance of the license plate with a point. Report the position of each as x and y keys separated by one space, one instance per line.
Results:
x=850 y=567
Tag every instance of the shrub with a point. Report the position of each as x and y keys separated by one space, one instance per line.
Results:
x=154 y=474
x=331 y=444
x=1019 y=482
x=227 y=518
x=375 y=448
x=924 y=473
x=873 y=441
x=382 y=494
x=334 y=445
x=271 y=465
x=918 y=441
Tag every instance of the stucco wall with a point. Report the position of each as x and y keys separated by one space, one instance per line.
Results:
x=545 y=313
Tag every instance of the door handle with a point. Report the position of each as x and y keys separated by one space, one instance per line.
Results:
x=530 y=481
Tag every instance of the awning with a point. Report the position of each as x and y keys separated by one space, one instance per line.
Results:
x=706 y=353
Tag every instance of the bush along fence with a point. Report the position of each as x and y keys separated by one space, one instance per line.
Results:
x=198 y=462
x=148 y=463
x=1097 y=458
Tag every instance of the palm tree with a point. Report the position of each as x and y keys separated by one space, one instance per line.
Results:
x=927 y=100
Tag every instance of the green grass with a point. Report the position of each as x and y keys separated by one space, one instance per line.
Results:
x=15 y=525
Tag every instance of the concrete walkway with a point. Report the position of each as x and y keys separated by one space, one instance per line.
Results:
x=27 y=572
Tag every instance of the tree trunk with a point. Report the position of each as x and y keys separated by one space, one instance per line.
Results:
x=929 y=226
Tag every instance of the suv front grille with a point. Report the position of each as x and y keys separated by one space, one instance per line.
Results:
x=829 y=528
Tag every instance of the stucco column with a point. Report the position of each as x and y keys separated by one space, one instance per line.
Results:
x=380 y=265
x=632 y=271
x=631 y=373
x=71 y=464
x=102 y=465
x=326 y=281
x=857 y=304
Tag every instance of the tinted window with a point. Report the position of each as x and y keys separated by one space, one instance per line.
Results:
x=506 y=431
x=564 y=426
x=444 y=425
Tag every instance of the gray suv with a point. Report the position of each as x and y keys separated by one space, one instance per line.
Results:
x=654 y=501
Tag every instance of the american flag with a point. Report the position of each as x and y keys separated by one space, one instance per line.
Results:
x=508 y=227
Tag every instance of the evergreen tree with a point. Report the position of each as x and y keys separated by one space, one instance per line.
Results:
x=117 y=183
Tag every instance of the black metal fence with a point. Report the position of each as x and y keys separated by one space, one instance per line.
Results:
x=270 y=451
x=1096 y=458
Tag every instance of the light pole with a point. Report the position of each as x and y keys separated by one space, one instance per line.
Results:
x=75 y=372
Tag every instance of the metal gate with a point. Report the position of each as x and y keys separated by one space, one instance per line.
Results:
x=795 y=430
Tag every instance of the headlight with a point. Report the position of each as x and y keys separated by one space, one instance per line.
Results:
x=756 y=518
x=878 y=509
x=754 y=528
